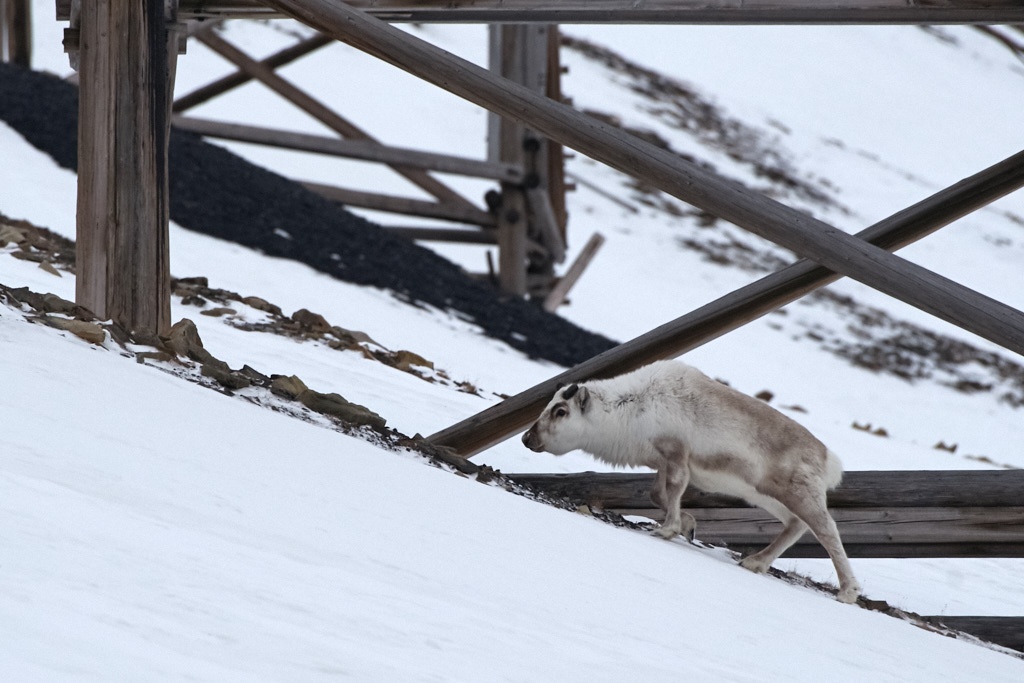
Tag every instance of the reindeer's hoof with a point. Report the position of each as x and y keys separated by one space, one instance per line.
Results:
x=667 y=533
x=756 y=564
x=849 y=594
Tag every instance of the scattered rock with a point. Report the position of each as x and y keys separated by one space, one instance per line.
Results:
x=262 y=305
x=404 y=360
x=878 y=431
x=9 y=233
x=226 y=378
x=159 y=356
x=288 y=387
x=310 y=320
x=218 y=312
x=90 y=332
x=765 y=396
x=49 y=268
x=336 y=406
x=943 y=446
x=183 y=340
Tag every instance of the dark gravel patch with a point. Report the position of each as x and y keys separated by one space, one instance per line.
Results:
x=218 y=193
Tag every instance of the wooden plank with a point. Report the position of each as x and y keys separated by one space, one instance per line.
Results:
x=240 y=77
x=324 y=114
x=123 y=209
x=445 y=235
x=402 y=205
x=365 y=150
x=859 y=489
x=1005 y=631
x=561 y=289
x=747 y=12
x=970 y=513
x=671 y=173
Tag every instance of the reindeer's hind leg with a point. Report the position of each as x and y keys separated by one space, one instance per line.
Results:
x=792 y=530
x=673 y=478
x=809 y=505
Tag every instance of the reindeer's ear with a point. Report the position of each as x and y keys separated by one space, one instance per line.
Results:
x=583 y=399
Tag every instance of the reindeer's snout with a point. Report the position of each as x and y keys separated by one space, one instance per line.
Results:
x=532 y=441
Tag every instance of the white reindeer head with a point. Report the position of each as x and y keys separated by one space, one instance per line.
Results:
x=562 y=425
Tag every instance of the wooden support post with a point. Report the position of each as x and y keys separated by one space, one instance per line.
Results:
x=16 y=32
x=513 y=56
x=126 y=80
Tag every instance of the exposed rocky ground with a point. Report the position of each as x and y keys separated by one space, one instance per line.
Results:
x=217 y=193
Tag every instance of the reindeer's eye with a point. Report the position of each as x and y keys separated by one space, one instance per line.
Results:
x=560 y=411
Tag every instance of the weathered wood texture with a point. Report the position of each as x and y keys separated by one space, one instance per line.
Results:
x=364 y=150
x=977 y=513
x=560 y=291
x=240 y=77
x=268 y=77
x=708 y=322
x=16 y=32
x=402 y=205
x=123 y=209
x=793 y=229
x=656 y=11
x=1005 y=631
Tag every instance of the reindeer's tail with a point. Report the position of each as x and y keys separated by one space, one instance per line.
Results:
x=833 y=470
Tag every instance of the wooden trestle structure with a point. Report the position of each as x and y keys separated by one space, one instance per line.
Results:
x=127 y=51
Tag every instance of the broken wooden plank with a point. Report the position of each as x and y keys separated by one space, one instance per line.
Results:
x=561 y=289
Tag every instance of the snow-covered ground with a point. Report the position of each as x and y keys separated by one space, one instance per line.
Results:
x=153 y=529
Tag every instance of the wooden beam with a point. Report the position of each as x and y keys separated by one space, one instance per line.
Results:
x=561 y=289
x=671 y=173
x=747 y=12
x=402 y=205
x=364 y=150
x=445 y=235
x=324 y=114
x=970 y=513
x=830 y=247
x=240 y=77
x=733 y=310
x=860 y=489
x=124 y=104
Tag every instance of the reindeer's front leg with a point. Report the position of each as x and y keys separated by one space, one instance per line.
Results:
x=673 y=478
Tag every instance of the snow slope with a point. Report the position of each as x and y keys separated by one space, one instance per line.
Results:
x=157 y=530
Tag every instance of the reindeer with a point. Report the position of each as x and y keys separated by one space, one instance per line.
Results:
x=674 y=419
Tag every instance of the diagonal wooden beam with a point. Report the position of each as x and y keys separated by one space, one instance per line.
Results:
x=807 y=236
x=240 y=77
x=487 y=428
x=670 y=173
x=324 y=114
